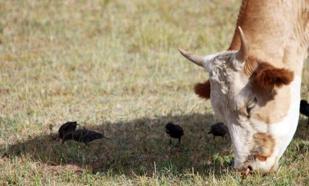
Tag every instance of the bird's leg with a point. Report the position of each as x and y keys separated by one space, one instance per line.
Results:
x=179 y=141
x=178 y=144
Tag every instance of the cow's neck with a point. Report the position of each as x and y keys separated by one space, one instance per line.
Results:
x=275 y=32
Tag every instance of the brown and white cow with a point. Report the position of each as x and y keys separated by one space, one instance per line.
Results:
x=254 y=86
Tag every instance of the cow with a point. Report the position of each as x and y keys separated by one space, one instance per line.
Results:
x=254 y=86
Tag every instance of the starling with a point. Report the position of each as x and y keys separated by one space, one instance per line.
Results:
x=83 y=135
x=66 y=128
x=174 y=131
x=218 y=129
x=304 y=108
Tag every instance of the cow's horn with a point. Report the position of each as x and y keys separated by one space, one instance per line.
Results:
x=243 y=52
x=199 y=60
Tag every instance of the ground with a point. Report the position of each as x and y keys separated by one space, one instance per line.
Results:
x=113 y=66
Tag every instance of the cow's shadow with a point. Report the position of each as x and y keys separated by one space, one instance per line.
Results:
x=139 y=147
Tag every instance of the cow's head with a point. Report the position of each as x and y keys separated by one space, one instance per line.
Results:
x=253 y=99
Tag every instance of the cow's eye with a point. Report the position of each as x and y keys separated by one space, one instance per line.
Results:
x=250 y=105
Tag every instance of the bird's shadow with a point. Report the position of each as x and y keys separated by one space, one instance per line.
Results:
x=138 y=147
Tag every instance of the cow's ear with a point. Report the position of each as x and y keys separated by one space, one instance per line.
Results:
x=203 y=89
x=267 y=76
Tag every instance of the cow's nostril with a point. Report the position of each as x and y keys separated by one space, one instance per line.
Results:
x=247 y=171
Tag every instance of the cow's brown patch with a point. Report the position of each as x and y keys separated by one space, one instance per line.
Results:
x=263 y=146
x=203 y=89
x=266 y=76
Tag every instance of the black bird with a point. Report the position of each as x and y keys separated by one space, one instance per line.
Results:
x=83 y=135
x=66 y=128
x=304 y=108
x=174 y=131
x=218 y=129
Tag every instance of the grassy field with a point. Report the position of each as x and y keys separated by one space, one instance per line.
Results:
x=113 y=66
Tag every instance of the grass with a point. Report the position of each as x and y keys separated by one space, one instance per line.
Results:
x=113 y=66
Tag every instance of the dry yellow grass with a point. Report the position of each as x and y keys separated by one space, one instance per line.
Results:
x=114 y=66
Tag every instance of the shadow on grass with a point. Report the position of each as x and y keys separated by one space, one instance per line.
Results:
x=138 y=147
